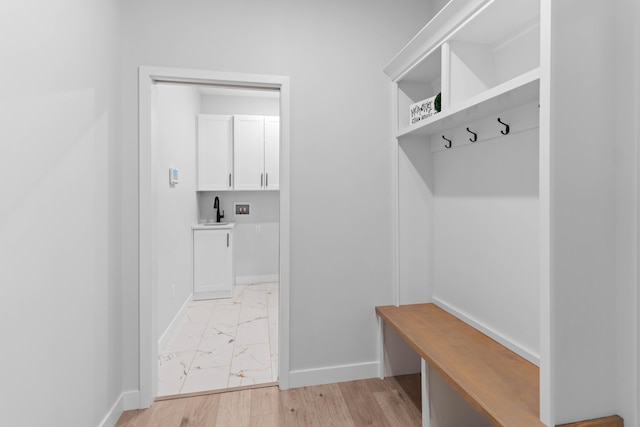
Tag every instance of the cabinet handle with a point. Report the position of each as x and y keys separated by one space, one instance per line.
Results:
x=266 y=179
x=227 y=239
x=229 y=180
x=261 y=179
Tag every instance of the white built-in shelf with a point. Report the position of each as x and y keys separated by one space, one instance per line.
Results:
x=426 y=42
x=516 y=92
x=482 y=56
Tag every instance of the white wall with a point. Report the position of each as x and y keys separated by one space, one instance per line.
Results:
x=61 y=308
x=486 y=238
x=176 y=208
x=468 y=221
x=415 y=221
x=340 y=172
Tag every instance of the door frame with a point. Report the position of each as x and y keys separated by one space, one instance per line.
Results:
x=147 y=228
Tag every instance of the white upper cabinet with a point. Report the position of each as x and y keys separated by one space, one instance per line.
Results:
x=238 y=152
x=215 y=152
x=248 y=160
x=272 y=153
x=256 y=152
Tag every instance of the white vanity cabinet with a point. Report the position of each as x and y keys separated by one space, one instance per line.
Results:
x=256 y=144
x=212 y=262
x=215 y=152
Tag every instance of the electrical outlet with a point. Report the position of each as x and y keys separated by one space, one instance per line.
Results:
x=173 y=291
x=258 y=229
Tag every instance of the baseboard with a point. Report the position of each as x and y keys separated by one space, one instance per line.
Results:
x=207 y=295
x=131 y=400
x=513 y=346
x=251 y=280
x=126 y=401
x=333 y=374
x=114 y=413
x=171 y=329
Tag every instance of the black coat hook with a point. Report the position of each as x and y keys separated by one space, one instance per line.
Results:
x=506 y=131
x=475 y=136
x=449 y=142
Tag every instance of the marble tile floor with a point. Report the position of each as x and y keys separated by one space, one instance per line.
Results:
x=223 y=343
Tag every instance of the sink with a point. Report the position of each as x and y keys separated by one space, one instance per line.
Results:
x=214 y=224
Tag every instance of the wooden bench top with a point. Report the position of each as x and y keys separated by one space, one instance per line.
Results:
x=501 y=385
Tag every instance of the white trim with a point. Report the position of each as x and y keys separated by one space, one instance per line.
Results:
x=147 y=77
x=205 y=295
x=432 y=35
x=285 y=230
x=113 y=415
x=333 y=374
x=636 y=407
x=251 y=280
x=171 y=329
x=547 y=316
x=496 y=336
x=148 y=370
x=131 y=400
x=127 y=400
x=395 y=197
x=426 y=400
x=380 y=343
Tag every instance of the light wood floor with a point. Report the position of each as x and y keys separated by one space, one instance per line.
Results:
x=394 y=401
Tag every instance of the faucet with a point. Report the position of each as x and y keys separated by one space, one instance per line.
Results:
x=216 y=207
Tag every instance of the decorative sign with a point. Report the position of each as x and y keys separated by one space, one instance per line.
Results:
x=422 y=110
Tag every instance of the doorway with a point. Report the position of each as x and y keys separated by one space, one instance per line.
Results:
x=150 y=228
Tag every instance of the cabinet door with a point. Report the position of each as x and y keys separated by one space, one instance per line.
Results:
x=272 y=153
x=215 y=152
x=212 y=264
x=248 y=159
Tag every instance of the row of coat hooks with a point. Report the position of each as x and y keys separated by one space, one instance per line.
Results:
x=474 y=138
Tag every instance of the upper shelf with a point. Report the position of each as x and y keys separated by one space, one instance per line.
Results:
x=481 y=56
x=518 y=91
x=431 y=36
x=497 y=21
x=474 y=21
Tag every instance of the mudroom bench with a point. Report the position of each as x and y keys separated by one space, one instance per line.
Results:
x=501 y=385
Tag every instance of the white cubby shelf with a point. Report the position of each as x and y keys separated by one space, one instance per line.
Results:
x=513 y=93
x=480 y=56
x=468 y=214
x=495 y=226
